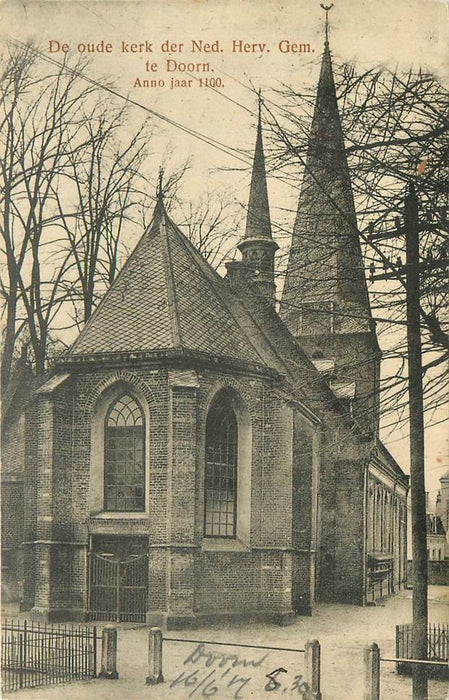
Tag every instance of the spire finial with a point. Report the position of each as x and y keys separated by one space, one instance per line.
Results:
x=260 y=103
x=327 y=9
x=160 y=192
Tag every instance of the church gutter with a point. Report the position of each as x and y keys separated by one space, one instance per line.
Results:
x=164 y=357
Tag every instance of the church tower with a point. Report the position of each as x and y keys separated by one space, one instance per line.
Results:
x=325 y=300
x=258 y=247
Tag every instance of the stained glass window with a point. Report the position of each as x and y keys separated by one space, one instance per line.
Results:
x=124 y=465
x=221 y=472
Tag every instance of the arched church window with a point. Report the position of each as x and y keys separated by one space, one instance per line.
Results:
x=220 y=498
x=124 y=459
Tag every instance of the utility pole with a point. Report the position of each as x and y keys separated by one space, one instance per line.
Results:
x=411 y=270
x=416 y=419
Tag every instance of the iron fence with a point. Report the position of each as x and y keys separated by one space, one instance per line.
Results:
x=36 y=654
x=437 y=648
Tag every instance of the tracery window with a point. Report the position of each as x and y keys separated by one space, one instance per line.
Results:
x=124 y=459
x=220 y=501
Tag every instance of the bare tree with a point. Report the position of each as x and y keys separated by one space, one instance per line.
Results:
x=109 y=185
x=211 y=224
x=69 y=183
x=35 y=151
x=396 y=129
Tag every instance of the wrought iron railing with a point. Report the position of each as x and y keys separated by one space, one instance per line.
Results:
x=36 y=654
x=437 y=646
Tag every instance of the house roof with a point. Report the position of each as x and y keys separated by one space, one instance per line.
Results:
x=168 y=297
x=390 y=460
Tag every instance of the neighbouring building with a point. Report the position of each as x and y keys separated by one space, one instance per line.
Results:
x=197 y=455
x=442 y=508
x=436 y=538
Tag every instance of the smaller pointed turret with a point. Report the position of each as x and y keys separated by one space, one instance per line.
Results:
x=258 y=247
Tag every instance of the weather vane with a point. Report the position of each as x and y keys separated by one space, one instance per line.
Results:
x=159 y=184
x=327 y=8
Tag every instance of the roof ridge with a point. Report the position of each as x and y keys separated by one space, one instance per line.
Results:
x=203 y=265
x=171 y=287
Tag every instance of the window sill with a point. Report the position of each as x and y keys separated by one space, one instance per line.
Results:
x=217 y=544
x=119 y=515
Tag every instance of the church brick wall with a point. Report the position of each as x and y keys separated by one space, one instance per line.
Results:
x=340 y=441
x=12 y=498
x=349 y=550
x=28 y=553
x=356 y=360
x=12 y=537
x=184 y=580
x=188 y=574
x=228 y=581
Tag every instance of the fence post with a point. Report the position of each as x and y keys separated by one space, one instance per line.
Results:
x=371 y=656
x=313 y=669
x=109 y=653
x=155 y=657
x=95 y=640
x=20 y=661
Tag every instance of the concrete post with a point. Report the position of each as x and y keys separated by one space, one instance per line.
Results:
x=371 y=656
x=109 y=653
x=155 y=657
x=313 y=669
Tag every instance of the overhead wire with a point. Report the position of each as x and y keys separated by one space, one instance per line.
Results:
x=230 y=151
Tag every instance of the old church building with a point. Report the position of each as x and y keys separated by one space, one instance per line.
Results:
x=197 y=454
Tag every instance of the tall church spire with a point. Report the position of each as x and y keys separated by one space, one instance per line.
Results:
x=325 y=265
x=325 y=299
x=257 y=246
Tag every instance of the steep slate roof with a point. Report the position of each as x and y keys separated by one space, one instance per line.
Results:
x=168 y=297
x=325 y=261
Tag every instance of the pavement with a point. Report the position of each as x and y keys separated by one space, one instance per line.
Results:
x=222 y=672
